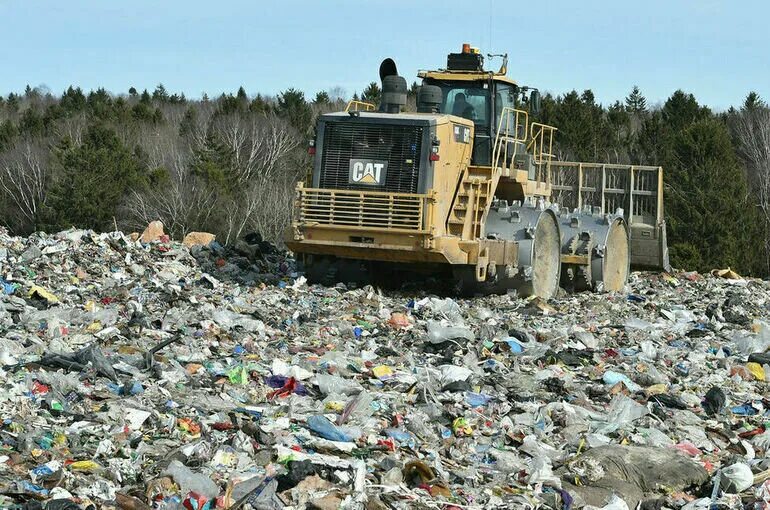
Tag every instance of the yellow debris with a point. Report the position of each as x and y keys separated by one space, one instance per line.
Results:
x=42 y=293
x=382 y=371
x=656 y=389
x=756 y=370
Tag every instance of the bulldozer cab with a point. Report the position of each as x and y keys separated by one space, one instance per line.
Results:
x=481 y=99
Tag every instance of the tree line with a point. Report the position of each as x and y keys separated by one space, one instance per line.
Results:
x=226 y=165
x=229 y=164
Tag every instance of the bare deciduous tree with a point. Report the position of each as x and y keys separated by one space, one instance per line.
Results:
x=751 y=127
x=259 y=143
x=182 y=202
x=24 y=174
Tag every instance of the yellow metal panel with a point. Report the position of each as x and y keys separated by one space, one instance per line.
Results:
x=465 y=76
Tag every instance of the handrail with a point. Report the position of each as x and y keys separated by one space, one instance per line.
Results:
x=541 y=145
x=542 y=137
x=503 y=136
x=367 y=107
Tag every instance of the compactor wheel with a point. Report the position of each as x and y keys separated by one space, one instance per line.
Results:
x=601 y=245
x=536 y=232
x=545 y=267
x=610 y=272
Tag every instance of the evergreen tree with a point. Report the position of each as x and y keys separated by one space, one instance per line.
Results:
x=293 y=107
x=636 y=102
x=8 y=133
x=13 y=103
x=187 y=125
x=31 y=123
x=322 y=98
x=710 y=222
x=160 y=93
x=100 y=103
x=132 y=92
x=372 y=93
x=681 y=110
x=259 y=105
x=73 y=100
x=229 y=104
x=241 y=95
x=753 y=102
x=95 y=177
x=213 y=162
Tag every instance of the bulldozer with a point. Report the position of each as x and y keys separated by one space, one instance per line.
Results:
x=468 y=186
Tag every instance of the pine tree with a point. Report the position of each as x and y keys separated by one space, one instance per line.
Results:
x=322 y=98
x=95 y=176
x=213 y=162
x=293 y=107
x=372 y=93
x=187 y=125
x=73 y=100
x=682 y=109
x=636 y=102
x=8 y=133
x=259 y=105
x=753 y=102
x=710 y=222
x=160 y=93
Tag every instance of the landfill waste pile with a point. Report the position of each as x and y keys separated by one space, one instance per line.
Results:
x=139 y=372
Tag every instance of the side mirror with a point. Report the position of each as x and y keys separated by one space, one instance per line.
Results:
x=534 y=102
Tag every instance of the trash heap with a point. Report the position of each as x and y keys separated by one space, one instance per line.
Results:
x=142 y=373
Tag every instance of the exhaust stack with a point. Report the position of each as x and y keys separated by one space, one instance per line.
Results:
x=393 y=87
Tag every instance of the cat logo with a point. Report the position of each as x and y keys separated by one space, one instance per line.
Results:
x=368 y=171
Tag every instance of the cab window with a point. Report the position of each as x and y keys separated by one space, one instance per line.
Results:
x=466 y=99
x=505 y=97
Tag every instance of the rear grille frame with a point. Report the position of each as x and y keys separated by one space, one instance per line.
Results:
x=362 y=210
x=376 y=138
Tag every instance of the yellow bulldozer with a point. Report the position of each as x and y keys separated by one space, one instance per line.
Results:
x=467 y=186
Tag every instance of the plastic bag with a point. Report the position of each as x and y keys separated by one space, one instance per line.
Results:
x=438 y=334
x=737 y=478
x=622 y=412
x=336 y=385
x=327 y=430
x=189 y=481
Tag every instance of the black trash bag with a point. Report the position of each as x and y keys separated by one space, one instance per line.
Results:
x=714 y=401
x=79 y=361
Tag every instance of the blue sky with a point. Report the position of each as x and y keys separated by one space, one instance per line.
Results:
x=717 y=50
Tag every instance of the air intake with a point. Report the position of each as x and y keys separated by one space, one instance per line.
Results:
x=429 y=99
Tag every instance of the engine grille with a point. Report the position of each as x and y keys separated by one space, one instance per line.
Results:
x=399 y=145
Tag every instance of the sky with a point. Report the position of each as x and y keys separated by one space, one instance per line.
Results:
x=717 y=50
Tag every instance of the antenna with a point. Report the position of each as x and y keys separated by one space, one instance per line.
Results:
x=491 y=10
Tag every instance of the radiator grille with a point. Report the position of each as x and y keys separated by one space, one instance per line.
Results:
x=399 y=145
